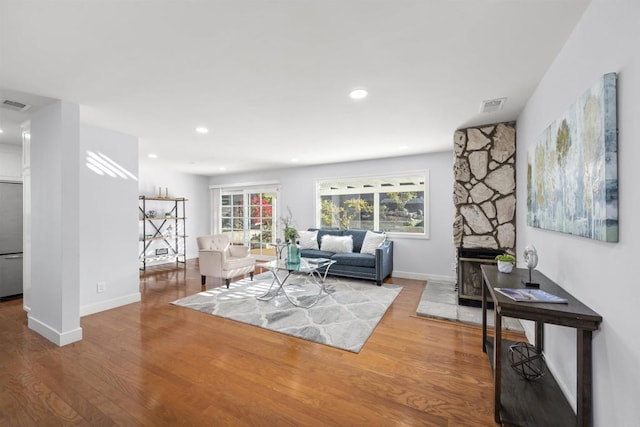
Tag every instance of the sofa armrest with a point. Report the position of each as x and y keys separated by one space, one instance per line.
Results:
x=384 y=261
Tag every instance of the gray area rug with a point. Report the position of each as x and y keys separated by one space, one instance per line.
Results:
x=440 y=300
x=344 y=317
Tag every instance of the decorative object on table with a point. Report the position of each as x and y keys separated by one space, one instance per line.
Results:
x=505 y=263
x=526 y=361
x=169 y=232
x=159 y=192
x=293 y=254
x=162 y=251
x=167 y=214
x=345 y=318
x=290 y=232
x=572 y=178
x=166 y=192
x=152 y=213
x=531 y=295
x=531 y=261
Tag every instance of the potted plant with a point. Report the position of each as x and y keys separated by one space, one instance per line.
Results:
x=505 y=263
x=290 y=232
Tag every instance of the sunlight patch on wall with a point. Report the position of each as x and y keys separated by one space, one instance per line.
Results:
x=103 y=165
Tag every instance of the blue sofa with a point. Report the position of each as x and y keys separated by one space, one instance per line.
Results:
x=362 y=266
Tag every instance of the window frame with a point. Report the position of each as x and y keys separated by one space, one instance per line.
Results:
x=376 y=180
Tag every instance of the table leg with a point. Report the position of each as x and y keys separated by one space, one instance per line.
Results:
x=267 y=296
x=584 y=378
x=276 y=279
x=539 y=336
x=497 y=364
x=484 y=316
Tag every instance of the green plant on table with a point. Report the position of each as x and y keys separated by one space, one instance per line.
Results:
x=290 y=232
x=506 y=258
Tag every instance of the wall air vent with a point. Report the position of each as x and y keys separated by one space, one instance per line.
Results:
x=492 y=105
x=14 y=105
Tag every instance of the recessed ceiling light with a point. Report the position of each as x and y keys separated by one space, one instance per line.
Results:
x=403 y=147
x=152 y=155
x=1 y=131
x=358 y=94
x=294 y=160
x=223 y=169
x=202 y=130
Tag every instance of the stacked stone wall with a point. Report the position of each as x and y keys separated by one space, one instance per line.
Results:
x=485 y=186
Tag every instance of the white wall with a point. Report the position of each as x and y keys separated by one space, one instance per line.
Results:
x=108 y=220
x=413 y=258
x=55 y=251
x=193 y=187
x=10 y=162
x=602 y=275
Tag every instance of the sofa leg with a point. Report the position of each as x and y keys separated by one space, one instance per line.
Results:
x=379 y=283
x=203 y=280
x=226 y=282
x=251 y=275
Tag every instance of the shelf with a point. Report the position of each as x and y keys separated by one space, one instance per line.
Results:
x=163 y=238
x=163 y=218
x=162 y=257
x=163 y=199
x=530 y=403
x=153 y=229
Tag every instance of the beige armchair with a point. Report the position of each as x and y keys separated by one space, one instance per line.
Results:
x=219 y=258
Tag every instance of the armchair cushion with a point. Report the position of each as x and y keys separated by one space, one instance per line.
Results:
x=239 y=251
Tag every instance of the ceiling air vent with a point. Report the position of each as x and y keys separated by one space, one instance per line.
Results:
x=492 y=105
x=14 y=105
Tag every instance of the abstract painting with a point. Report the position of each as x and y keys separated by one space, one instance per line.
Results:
x=572 y=170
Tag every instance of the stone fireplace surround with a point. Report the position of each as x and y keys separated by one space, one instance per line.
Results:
x=484 y=199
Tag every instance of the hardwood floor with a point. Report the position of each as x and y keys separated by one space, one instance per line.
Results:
x=153 y=363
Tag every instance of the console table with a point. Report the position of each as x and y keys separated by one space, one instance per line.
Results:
x=538 y=402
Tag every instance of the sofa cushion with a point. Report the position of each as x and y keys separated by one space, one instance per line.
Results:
x=354 y=259
x=358 y=238
x=308 y=239
x=313 y=253
x=326 y=231
x=371 y=242
x=338 y=244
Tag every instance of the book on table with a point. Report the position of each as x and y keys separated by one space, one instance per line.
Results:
x=531 y=295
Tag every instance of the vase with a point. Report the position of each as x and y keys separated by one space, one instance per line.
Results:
x=505 y=267
x=293 y=254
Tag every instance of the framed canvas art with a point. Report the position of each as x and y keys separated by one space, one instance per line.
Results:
x=572 y=169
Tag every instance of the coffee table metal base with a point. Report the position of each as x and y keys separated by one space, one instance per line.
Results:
x=310 y=278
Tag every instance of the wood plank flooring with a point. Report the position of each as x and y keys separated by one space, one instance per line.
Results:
x=155 y=364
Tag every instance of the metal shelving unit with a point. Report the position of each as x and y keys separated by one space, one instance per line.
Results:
x=163 y=237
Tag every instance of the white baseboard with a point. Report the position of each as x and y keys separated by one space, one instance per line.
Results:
x=86 y=310
x=53 y=335
x=421 y=276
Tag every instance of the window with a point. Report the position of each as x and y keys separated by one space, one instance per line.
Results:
x=395 y=204
x=247 y=217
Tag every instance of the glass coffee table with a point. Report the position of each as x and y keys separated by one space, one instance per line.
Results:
x=309 y=268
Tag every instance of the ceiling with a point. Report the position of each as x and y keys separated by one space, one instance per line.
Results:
x=270 y=78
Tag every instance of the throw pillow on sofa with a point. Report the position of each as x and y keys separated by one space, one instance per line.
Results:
x=337 y=244
x=371 y=242
x=308 y=239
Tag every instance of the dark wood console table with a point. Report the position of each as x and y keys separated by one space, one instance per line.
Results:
x=538 y=402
